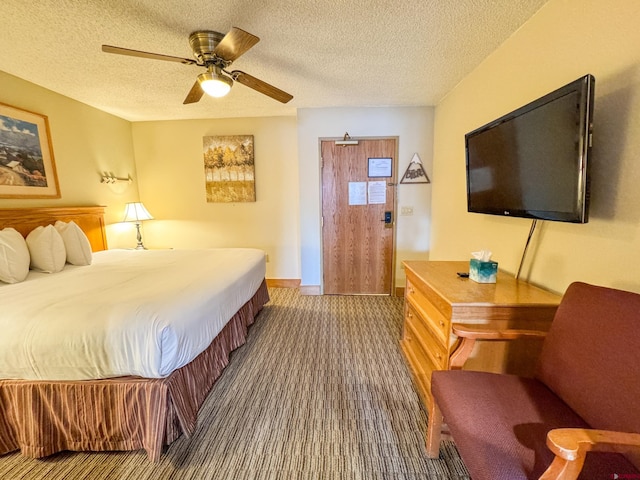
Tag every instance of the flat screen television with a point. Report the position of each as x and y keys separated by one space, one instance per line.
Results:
x=534 y=161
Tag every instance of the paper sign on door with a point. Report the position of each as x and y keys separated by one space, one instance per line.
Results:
x=377 y=192
x=357 y=193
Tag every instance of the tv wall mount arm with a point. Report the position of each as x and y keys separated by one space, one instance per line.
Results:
x=526 y=246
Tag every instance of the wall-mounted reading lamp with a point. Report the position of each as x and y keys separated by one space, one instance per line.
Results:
x=346 y=140
x=109 y=177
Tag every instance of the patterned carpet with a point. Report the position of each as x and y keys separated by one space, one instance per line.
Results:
x=320 y=391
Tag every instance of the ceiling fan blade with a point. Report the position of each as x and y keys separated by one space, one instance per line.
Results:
x=153 y=56
x=260 y=86
x=234 y=44
x=195 y=94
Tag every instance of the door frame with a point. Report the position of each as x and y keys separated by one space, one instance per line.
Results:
x=395 y=204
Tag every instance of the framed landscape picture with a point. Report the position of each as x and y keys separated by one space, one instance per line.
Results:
x=229 y=168
x=27 y=167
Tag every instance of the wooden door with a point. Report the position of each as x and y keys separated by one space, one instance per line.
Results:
x=357 y=240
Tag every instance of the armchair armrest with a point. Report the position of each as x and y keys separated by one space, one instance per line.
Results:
x=468 y=334
x=570 y=446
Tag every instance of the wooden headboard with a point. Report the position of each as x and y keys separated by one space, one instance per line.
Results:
x=89 y=219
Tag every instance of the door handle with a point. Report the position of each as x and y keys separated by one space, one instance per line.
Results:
x=388 y=219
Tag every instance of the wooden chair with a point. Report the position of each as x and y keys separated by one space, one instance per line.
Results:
x=584 y=397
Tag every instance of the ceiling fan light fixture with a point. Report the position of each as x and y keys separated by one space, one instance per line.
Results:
x=215 y=84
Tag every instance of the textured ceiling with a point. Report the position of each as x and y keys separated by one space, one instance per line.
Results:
x=326 y=53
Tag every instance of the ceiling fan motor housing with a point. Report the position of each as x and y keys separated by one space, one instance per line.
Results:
x=203 y=43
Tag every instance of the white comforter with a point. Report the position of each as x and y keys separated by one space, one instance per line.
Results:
x=130 y=312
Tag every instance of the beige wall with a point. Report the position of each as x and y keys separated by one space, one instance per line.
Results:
x=170 y=165
x=564 y=40
x=86 y=141
x=414 y=128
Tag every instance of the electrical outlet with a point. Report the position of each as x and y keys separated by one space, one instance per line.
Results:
x=406 y=210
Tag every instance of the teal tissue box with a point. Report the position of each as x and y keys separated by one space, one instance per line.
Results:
x=483 y=272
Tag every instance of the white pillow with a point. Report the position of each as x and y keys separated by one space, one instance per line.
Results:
x=76 y=243
x=47 y=249
x=14 y=256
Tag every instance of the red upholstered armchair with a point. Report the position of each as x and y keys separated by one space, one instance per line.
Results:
x=585 y=397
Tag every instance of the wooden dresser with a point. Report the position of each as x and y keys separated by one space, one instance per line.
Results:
x=435 y=298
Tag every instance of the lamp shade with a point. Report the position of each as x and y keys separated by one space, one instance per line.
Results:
x=135 y=212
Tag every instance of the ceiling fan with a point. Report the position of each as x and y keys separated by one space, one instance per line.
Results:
x=216 y=52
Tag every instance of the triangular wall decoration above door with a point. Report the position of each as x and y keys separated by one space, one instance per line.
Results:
x=415 y=172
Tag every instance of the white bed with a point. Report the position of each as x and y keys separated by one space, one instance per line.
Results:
x=119 y=354
x=130 y=312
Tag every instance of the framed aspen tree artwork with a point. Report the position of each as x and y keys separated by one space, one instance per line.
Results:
x=229 y=168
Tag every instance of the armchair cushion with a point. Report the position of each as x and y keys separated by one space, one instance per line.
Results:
x=591 y=356
x=500 y=424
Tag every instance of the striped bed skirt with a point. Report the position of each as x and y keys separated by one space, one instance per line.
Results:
x=40 y=418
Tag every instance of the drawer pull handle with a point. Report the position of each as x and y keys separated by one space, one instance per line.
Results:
x=411 y=291
x=409 y=315
x=441 y=323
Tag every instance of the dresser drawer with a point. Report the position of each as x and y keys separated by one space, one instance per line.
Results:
x=430 y=341
x=440 y=324
x=420 y=364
